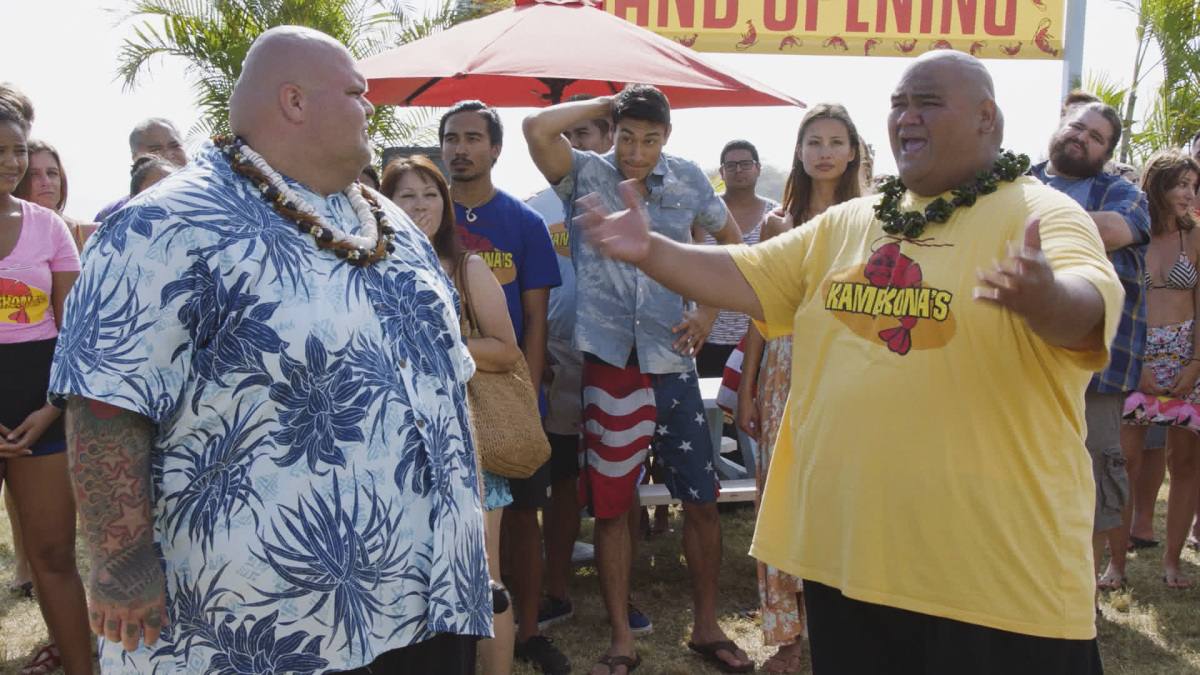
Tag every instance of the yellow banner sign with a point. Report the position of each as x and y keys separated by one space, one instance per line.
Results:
x=1004 y=29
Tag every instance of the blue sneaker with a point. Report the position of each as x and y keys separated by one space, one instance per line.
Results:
x=552 y=611
x=638 y=622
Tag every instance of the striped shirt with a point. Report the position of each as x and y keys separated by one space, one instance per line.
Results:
x=730 y=327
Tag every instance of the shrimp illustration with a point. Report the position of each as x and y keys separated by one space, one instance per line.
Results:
x=977 y=47
x=790 y=41
x=22 y=295
x=941 y=44
x=1042 y=37
x=749 y=38
x=1011 y=50
x=687 y=41
x=889 y=268
x=836 y=42
x=869 y=45
x=906 y=47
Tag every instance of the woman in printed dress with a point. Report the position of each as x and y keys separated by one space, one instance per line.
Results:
x=416 y=185
x=825 y=172
x=1169 y=392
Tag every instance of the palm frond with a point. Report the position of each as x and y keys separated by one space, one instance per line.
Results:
x=212 y=38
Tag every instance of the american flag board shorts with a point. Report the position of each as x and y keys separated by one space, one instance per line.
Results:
x=626 y=413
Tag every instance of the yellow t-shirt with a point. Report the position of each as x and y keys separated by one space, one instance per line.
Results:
x=931 y=455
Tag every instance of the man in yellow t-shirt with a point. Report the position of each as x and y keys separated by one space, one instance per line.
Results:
x=931 y=484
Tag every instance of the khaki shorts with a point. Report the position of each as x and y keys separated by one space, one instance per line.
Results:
x=1103 y=413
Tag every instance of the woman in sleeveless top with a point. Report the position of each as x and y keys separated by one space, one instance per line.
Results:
x=45 y=184
x=1169 y=392
x=417 y=186
x=825 y=172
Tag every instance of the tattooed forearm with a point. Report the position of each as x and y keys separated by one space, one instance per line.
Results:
x=109 y=453
x=134 y=574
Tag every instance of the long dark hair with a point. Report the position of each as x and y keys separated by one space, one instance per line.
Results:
x=25 y=187
x=797 y=193
x=445 y=241
x=1163 y=171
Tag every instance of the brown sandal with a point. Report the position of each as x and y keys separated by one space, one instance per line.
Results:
x=614 y=662
x=709 y=651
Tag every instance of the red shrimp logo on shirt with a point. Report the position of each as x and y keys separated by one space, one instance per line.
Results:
x=501 y=262
x=886 y=300
x=19 y=303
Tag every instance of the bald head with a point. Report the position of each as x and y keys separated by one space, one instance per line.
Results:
x=944 y=123
x=299 y=102
x=285 y=55
x=966 y=70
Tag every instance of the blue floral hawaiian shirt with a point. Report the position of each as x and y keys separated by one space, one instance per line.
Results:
x=619 y=308
x=316 y=497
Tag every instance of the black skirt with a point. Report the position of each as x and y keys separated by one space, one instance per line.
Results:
x=24 y=378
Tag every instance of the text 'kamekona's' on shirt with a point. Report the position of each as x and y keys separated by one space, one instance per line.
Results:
x=931 y=456
x=43 y=247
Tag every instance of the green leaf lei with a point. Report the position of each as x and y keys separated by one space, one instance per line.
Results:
x=911 y=224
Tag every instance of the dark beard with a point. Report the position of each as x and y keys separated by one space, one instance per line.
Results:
x=1073 y=166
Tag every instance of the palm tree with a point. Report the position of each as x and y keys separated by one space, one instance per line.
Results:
x=213 y=36
x=1169 y=29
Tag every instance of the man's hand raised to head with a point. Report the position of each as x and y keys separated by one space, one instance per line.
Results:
x=624 y=235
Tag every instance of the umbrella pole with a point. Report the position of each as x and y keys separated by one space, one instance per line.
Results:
x=421 y=90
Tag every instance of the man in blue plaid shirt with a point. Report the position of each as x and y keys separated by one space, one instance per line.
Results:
x=1085 y=139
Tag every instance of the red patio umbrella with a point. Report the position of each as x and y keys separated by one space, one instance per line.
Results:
x=540 y=51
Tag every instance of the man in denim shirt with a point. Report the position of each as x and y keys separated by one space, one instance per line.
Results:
x=1084 y=141
x=640 y=340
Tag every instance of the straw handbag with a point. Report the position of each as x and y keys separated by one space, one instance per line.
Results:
x=504 y=408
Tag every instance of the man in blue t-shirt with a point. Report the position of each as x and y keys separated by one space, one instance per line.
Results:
x=512 y=238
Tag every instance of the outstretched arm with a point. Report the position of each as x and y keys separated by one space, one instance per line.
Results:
x=550 y=150
x=109 y=454
x=704 y=274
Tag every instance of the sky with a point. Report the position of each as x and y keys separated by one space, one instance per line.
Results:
x=64 y=55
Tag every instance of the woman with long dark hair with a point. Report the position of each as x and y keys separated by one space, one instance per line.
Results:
x=826 y=171
x=416 y=185
x=45 y=184
x=38 y=265
x=1169 y=391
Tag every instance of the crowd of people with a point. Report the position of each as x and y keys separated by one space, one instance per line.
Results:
x=247 y=381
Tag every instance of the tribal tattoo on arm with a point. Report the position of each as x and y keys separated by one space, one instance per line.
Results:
x=109 y=451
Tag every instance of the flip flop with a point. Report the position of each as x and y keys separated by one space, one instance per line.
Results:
x=614 y=662
x=47 y=661
x=1137 y=543
x=783 y=665
x=1110 y=582
x=24 y=590
x=709 y=651
x=1193 y=543
x=1177 y=582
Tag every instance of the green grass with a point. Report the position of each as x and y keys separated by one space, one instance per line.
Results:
x=1146 y=630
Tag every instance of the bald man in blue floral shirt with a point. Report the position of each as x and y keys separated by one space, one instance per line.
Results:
x=269 y=431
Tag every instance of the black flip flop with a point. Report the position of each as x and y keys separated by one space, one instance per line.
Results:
x=1137 y=543
x=709 y=652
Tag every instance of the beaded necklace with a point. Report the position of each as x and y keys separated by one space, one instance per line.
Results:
x=373 y=245
x=911 y=224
